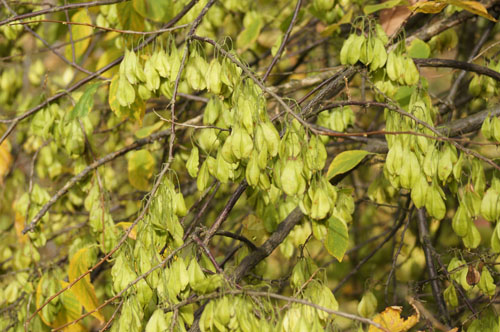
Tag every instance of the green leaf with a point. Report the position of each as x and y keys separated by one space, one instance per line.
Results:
x=337 y=238
x=248 y=36
x=148 y=130
x=419 y=49
x=79 y=32
x=83 y=289
x=345 y=161
x=385 y=5
x=158 y=11
x=85 y=103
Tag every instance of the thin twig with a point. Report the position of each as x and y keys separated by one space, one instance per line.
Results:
x=284 y=41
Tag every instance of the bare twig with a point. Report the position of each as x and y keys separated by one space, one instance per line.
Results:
x=284 y=41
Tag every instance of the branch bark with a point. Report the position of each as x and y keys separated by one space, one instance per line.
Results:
x=431 y=268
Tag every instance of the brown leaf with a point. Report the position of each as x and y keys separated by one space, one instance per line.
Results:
x=391 y=19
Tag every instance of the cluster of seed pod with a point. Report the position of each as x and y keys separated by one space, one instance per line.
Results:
x=415 y=160
x=484 y=86
x=369 y=51
x=401 y=68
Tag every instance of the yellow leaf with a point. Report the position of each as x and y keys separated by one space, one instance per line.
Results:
x=141 y=165
x=108 y=56
x=78 y=32
x=83 y=289
x=5 y=159
x=125 y=226
x=19 y=226
x=135 y=111
x=474 y=7
x=428 y=7
x=391 y=319
x=40 y=299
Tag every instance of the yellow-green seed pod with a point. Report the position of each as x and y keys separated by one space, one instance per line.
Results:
x=227 y=150
x=460 y=221
x=320 y=204
x=180 y=205
x=354 y=51
x=486 y=128
x=253 y=171
x=345 y=49
x=213 y=77
x=223 y=169
x=450 y=295
x=125 y=93
x=203 y=177
x=289 y=181
x=152 y=76
x=242 y=144
x=368 y=305
x=193 y=162
x=489 y=204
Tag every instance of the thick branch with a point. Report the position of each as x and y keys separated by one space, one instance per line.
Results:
x=284 y=228
x=448 y=63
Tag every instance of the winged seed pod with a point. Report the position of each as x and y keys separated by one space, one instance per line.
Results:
x=354 y=51
x=241 y=144
x=125 y=93
x=368 y=305
x=366 y=54
x=490 y=205
x=460 y=222
x=127 y=67
x=143 y=92
x=380 y=54
x=320 y=205
x=271 y=137
x=223 y=170
x=434 y=202
x=392 y=66
x=203 y=177
x=161 y=63
x=212 y=111
x=213 y=77
x=253 y=171
x=152 y=76
x=486 y=128
x=495 y=128
x=450 y=295
x=315 y=156
x=345 y=48
x=410 y=72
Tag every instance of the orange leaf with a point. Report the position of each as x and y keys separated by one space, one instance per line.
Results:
x=391 y=319
x=83 y=289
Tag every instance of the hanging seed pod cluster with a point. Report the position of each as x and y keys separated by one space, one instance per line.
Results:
x=249 y=166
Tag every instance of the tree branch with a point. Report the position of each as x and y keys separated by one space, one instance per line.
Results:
x=431 y=269
x=448 y=63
